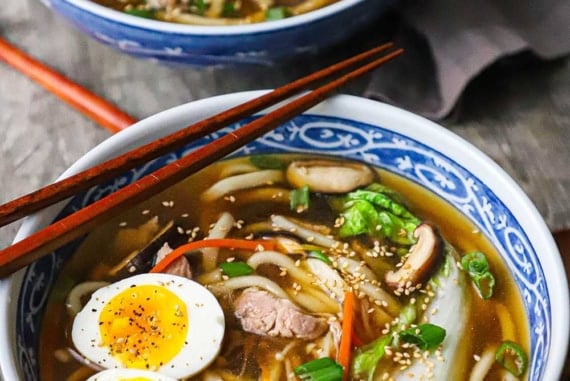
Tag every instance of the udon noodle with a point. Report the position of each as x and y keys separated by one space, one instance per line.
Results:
x=215 y=12
x=321 y=267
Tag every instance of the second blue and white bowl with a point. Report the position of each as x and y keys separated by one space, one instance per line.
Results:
x=263 y=43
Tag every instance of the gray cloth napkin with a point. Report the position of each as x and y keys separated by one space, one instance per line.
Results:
x=463 y=37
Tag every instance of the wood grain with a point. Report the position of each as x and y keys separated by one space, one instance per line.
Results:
x=519 y=114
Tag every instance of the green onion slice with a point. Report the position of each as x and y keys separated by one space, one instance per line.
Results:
x=235 y=269
x=144 y=13
x=485 y=284
x=230 y=9
x=276 y=13
x=201 y=5
x=477 y=266
x=317 y=254
x=512 y=357
x=299 y=198
x=267 y=162
x=424 y=336
x=323 y=369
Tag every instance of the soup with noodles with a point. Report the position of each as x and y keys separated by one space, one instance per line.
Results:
x=285 y=267
x=216 y=12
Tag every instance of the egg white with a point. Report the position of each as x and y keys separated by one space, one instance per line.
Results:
x=127 y=374
x=205 y=324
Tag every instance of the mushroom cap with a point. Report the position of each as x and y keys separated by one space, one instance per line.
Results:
x=329 y=176
x=422 y=258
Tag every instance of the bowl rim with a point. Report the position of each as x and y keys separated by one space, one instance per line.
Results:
x=184 y=29
x=461 y=151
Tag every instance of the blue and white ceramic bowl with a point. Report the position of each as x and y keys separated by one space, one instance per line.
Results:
x=346 y=126
x=263 y=43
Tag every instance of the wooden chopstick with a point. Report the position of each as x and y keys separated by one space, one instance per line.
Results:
x=63 y=231
x=82 y=181
x=91 y=105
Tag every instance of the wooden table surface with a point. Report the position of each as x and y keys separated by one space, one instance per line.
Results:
x=518 y=113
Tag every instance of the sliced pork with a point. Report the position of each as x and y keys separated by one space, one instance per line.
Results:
x=180 y=266
x=263 y=313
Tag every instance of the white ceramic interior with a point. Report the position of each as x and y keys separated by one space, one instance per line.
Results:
x=364 y=111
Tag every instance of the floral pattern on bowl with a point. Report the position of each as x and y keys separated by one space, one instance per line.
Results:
x=262 y=43
x=378 y=146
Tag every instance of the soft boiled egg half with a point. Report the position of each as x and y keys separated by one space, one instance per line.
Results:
x=158 y=322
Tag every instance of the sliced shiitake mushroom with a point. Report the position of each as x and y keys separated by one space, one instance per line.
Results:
x=329 y=176
x=141 y=261
x=422 y=259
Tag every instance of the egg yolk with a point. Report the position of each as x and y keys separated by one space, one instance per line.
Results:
x=144 y=327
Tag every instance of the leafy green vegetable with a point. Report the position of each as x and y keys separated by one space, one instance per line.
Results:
x=277 y=13
x=382 y=200
x=362 y=217
x=323 y=369
x=477 y=266
x=374 y=211
x=381 y=188
x=235 y=269
x=299 y=198
x=512 y=357
x=317 y=254
x=144 y=13
x=368 y=356
x=424 y=336
x=267 y=162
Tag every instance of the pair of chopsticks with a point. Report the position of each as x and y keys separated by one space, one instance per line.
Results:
x=73 y=226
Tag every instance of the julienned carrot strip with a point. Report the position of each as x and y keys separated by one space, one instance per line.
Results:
x=346 y=338
x=224 y=242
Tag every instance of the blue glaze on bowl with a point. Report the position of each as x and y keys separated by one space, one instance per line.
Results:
x=264 y=43
x=342 y=138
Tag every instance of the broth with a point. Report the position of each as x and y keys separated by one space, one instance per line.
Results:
x=248 y=355
x=215 y=12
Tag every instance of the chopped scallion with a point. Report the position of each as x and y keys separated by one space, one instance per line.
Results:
x=267 y=162
x=477 y=266
x=144 y=13
x=424 y=336
x=317 y=254
x=235 y=269
x=323 y=369
x=201 y=6
x=299 y=198
x=276 y=13
x=230 y=9
x=512 y=357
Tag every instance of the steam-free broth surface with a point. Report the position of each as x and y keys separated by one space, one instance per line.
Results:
x=215 y=12
x=382 y=310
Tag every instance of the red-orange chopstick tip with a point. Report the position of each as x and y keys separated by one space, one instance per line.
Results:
x=344 y=353
x=228 y=243
x=94 y=107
